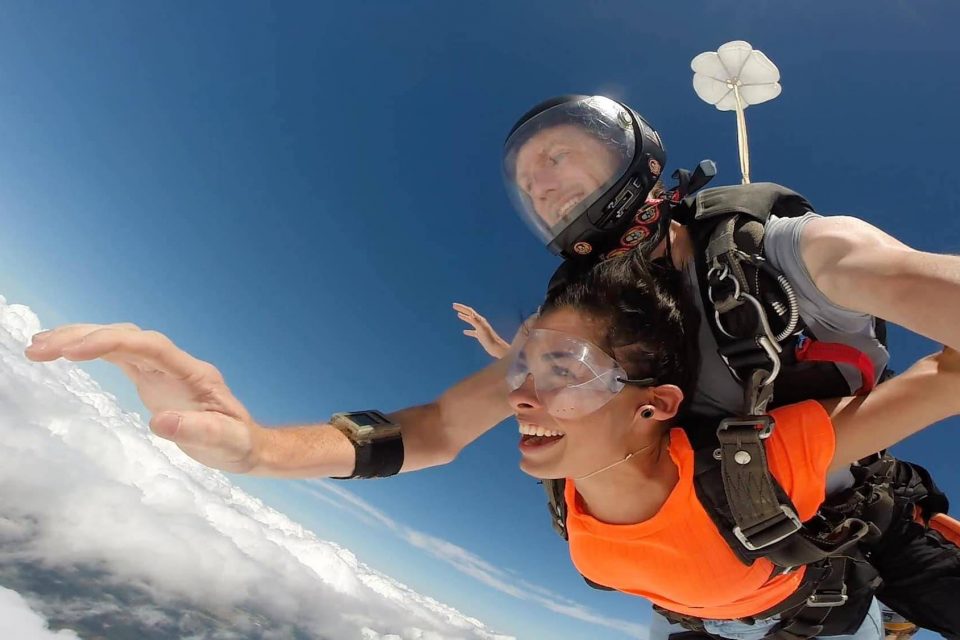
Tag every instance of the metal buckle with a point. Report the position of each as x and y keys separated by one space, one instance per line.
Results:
x=764 y=321
x=795 y=526
x=772 y=350
x=724 y=275
x=724 y=270
x=828 y=598
x=765 y=422
x=768 y=341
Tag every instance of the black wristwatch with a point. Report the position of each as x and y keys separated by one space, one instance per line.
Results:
x=376 y=440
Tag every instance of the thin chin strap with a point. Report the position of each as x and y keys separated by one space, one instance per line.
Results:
x=611 y=466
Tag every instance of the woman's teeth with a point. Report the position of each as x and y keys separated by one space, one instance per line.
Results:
x=530 y=430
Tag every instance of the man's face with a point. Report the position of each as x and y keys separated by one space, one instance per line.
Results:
x=561 y=166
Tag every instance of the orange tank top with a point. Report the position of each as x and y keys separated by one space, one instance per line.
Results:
x=677 y=559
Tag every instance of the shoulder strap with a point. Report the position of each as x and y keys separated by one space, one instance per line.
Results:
x=753 y=306
x=749 y=507
x=758 y=200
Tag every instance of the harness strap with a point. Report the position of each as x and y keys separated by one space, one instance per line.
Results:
x=806 y=623
x=821 y=604
x=800 y=619
x=761 y=519
x=838 y=604
x=690 y=623
x=816 y=351
x=692 y=635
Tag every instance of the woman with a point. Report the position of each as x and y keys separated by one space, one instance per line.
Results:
x=596 y=385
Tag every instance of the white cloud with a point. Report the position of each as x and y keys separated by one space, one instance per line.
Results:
x=104 y=525
x=18 y=620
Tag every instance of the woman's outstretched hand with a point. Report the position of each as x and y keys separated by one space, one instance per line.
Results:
x=190 y=402
x=948 y=360
x=482 y=331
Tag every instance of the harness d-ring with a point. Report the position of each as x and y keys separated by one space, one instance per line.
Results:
x=737 y=292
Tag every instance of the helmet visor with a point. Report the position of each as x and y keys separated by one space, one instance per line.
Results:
x=564 y=159
x=572 y=377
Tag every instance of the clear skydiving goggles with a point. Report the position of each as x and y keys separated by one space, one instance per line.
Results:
x=571 y=376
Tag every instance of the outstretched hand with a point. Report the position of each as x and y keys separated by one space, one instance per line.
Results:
x=190 y=402
x=482 y=331
x=948 y=360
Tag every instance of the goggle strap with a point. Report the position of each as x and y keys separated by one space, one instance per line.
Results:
x=640 y=382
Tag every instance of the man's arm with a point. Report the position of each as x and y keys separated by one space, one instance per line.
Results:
x=436 y=433
x=433 y=434
x=927 y=392
x=192 y=406
x=859 y=267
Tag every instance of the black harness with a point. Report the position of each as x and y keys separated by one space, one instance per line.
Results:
x=762 y=339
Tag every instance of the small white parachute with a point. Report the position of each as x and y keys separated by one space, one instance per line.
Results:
x=732 y=78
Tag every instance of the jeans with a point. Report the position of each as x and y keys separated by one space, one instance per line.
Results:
x=661 y=628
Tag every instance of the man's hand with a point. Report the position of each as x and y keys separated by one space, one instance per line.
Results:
x=191 y=404
x=491 y=342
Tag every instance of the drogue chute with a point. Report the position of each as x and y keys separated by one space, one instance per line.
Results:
x=732 y=78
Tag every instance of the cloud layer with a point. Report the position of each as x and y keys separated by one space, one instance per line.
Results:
x=105 y=527
x=18 y=620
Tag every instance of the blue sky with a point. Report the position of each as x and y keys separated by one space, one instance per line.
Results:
x=296 y=192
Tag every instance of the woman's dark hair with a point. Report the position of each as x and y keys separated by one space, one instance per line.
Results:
x=651 y=325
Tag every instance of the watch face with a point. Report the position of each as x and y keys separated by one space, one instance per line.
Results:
x=367 y=418
x=366 y=426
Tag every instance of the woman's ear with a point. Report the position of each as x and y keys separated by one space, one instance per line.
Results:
x=665 y=403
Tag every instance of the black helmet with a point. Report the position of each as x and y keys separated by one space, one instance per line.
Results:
x=579 y=169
